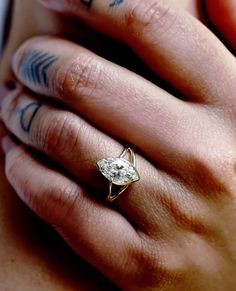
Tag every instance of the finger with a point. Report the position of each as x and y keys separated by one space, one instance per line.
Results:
x=223 y=16
x=95 y=231
x=77 y=146
x=110 y=96
x=171 y=41
x=4 y=91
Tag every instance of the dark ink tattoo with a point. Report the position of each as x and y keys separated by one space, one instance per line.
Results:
x=87 y=3
x=34 y=67
x=115 y=3
x=112 y=3
x=27 y=115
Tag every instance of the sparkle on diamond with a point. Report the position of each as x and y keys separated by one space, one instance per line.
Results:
x=117 y=170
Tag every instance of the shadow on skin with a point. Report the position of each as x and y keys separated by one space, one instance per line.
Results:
x=33 y=253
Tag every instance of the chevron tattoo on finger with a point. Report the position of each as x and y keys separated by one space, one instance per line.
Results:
x=34 y=67
x=114 y=3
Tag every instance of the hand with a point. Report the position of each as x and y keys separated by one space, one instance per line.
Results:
x=218 y=13
x=171 y=230
x=53 y=258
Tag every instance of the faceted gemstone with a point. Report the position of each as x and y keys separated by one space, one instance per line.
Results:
x=118 y=170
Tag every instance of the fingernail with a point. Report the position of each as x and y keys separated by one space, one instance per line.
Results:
x=7 y=144
x=5 y=89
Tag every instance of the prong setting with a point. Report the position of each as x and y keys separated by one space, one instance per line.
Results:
x=119 y=172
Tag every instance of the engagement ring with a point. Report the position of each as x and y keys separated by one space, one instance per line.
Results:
x=120 y=173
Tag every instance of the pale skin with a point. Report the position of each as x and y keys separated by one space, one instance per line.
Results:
x=127 y=201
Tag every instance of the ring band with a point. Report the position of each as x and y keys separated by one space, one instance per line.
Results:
x=120 y=173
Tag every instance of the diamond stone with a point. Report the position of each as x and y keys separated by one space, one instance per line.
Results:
x=118 y=171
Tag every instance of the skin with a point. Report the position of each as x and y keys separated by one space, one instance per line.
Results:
x=45 y=270
x=28 y=261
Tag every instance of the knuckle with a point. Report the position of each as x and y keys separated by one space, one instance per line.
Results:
x=213 y=172
x=59 y=135
x=152 y=14
x=52 y=137
x=152 y=268
x=79 y=77
x=160 y=262
x=187 y=214
x=56 y=203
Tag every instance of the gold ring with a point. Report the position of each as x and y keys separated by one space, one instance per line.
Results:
x=120 y=173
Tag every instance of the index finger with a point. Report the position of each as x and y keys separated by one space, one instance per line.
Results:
x=172 y=42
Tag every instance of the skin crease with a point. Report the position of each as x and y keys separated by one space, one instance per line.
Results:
x=26 y=260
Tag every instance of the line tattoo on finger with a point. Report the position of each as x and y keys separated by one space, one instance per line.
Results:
x=27 y=115
x=35 y=65
x=112 y=3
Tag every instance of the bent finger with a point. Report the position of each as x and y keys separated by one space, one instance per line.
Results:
x=106 y=94
x=171 y=41
x=76 y=146
x=96 y=232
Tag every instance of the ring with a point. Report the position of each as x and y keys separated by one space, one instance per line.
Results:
x=120 y=173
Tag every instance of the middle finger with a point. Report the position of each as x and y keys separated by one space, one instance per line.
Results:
x=110 y=96
x=77 y=146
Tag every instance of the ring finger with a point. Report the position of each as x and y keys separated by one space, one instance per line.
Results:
x=76 y=145
x=95 y=232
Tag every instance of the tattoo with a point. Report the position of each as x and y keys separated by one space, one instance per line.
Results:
x=115 y=3
x=112 y=3
x=27 y=115
x=87 y=3
x=34 y=67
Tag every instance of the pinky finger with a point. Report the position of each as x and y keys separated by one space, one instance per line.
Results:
x=99 y=234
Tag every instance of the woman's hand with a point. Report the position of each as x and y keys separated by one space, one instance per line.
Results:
x=220 y=14
x=173 y=230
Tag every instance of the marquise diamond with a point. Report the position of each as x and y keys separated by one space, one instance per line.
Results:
x=118 y=171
